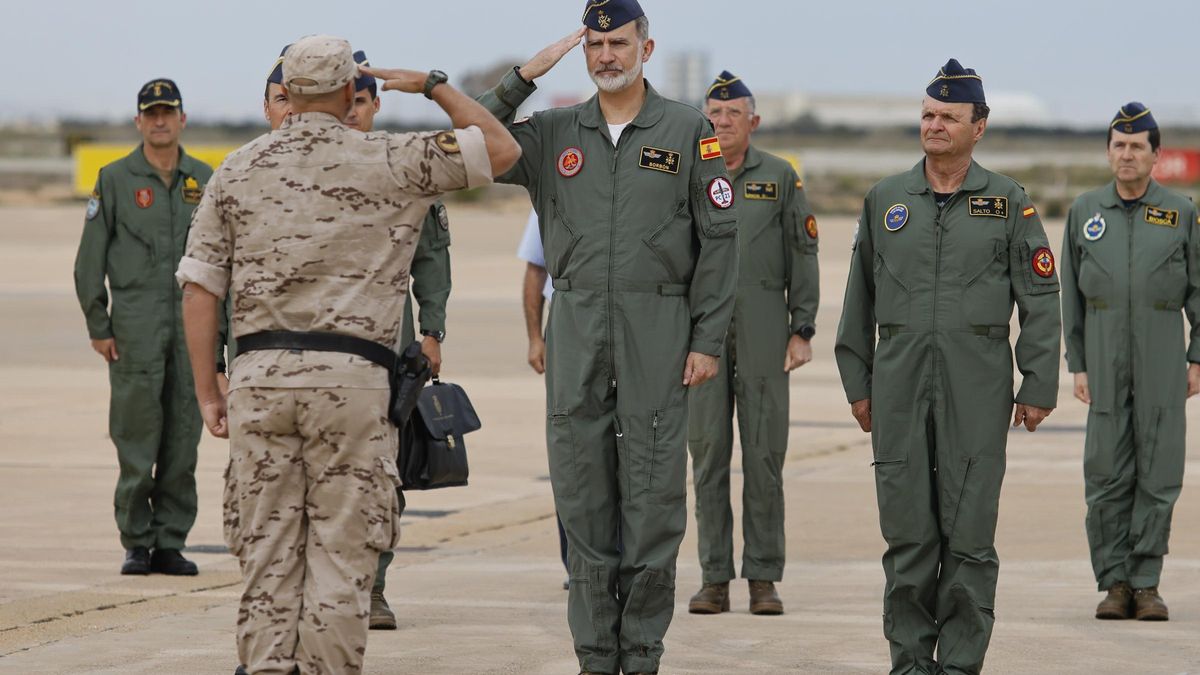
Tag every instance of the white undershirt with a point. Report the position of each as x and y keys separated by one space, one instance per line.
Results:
x=615 y=131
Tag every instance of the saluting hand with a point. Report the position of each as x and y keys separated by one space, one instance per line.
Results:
x=861 y=410
x=1030 y=415
x=799 y=352
x=398 y=79
x=543 y=61
x=700 y=368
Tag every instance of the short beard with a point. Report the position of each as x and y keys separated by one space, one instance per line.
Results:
x=611 y=85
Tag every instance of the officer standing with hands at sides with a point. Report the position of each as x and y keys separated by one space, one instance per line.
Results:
x=940 y=254
x=639 y=230
x=430 y=273
x=774 y=320
x=133 y=236
x=1131 y=262
x=325 y=220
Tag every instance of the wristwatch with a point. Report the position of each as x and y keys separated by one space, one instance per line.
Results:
x=438 y=335
x=807 y=331
x=435 y=78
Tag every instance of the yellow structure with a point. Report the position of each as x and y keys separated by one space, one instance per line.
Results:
x=90 y=157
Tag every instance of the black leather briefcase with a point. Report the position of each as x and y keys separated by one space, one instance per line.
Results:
x=433 y=453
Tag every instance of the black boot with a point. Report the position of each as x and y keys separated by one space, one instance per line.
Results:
x=137 y=561
x=171 y=561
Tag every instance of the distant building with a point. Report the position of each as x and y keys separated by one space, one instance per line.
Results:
x=880 y=111
x=687 y=76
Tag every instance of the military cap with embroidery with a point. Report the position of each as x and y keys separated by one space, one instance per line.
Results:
x=955 y=84
x=276 y=74
x=727 y=87
x=606 y=15
x=318 y=64
x=364 y=81
x=1132 y=118
x=159 y=92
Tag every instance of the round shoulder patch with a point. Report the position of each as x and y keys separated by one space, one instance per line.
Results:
x=448 y=142
x=442 y=217
x=1094 y=228
x=720 y=192
x=93 y=207
x=810 y=227
x=895 y=217
x=1043 y=262
x=570 y=162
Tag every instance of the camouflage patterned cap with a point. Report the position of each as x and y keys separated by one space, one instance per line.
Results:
x=318 y=64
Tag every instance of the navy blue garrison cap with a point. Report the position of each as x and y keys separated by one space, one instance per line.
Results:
x=606 y=15
x=159 y=92
x=364 y=81
x=955 y=84
x=727 y=87
x=276 y=74
x=1132 y=118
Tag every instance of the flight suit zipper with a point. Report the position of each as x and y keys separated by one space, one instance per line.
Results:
x=1129 y=211
x=612 y=243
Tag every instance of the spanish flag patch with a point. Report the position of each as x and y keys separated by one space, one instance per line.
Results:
x=710 y=148
x=1029 y=212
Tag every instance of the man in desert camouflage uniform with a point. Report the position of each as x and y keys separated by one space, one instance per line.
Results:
x=325 y=220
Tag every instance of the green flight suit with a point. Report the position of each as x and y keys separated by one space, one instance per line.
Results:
x=430 y=282
x=134 y=236
x=777 y=295
x=641 y=243
x=1126 y=274
x=940 y=290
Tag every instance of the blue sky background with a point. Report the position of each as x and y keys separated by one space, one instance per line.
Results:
x=1083 y=59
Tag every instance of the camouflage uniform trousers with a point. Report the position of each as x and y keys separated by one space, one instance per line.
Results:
x=310 y=503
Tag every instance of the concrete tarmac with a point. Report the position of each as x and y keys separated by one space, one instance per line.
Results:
x=477 y=582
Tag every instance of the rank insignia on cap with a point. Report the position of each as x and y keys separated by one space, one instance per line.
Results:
x=1094 y=228
x=1164 y=217
x=191 y=191
x=93 y=206
x=570 y=162
x=1029 y=211
x=144 y=198
x=1043 y=262
x=448 y=142
x=810 y=227
x=761 y=190
x=720 y=192
x=989 y=206
x=659 y=159
x=710 y=148
x=895 y=217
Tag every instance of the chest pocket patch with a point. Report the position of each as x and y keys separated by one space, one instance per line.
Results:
x=996 y=207
x=1156 y=216
x=762 y=190
x=659 y=159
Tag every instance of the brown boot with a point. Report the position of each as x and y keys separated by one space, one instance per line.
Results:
x=764 y=599
x=1149 y=605
x=382 y=617
x=1118 y=604
x=710 y=599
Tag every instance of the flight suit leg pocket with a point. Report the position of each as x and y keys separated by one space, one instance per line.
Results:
x=383 y=518
x=889 y=433
x=560 y=445
x=666 y=476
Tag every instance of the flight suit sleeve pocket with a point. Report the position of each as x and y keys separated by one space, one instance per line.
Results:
x=803 y=230
x=713 y=200
x=383 y=515
x=1034 y=268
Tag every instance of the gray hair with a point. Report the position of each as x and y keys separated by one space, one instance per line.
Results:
x=643 y=28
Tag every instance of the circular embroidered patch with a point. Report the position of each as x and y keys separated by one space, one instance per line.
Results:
x=810 y=227
x=1094 y=228
x=895 y=217
x=720 y=192
x=570 y=162
x=1043 y=262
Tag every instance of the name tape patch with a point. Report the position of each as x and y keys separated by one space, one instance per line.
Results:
x=996 y=207
x=659 y=159
x=762 y=190
x=1164 y=217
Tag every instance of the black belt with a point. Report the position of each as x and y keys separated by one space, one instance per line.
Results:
x=319 y=342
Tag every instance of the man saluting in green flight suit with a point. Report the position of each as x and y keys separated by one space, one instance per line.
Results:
x=134 y=235
x=773 y=321
x=940 y=255
x=637 y=219
x=1131 y=261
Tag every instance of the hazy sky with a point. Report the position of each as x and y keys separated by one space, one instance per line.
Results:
x=1083 y=59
